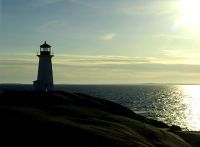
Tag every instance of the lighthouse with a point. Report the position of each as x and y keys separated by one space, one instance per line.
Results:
x=44 y=80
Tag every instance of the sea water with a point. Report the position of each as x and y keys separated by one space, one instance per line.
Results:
x=172 y=104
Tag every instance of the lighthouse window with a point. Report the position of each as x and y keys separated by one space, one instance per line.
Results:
x=45 y=49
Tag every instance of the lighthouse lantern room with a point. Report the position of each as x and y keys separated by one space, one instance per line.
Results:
x=44 y=80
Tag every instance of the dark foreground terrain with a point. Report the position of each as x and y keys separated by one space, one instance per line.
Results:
x=65 y=119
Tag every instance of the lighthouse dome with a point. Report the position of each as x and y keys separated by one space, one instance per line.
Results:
x=45 y=45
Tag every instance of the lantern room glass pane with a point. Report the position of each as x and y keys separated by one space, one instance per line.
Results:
x=45 y=49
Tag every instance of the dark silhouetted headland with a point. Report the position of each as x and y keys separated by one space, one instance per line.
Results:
x=60 y=118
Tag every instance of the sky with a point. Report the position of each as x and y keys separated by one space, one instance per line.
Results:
x=102 y=41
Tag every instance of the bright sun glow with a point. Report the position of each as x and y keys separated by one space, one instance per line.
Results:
x=190 y=13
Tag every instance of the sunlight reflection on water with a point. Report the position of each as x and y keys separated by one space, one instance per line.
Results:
x=192 y=101
x=177 y=105
x=172 y=104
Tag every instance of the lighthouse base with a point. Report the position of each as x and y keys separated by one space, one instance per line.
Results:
x=41 y=86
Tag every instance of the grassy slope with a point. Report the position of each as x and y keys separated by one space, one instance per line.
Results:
x=78 y=119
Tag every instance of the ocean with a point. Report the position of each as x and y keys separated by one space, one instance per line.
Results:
x=172 y=104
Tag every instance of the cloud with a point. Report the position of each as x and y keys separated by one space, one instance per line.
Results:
x=175 y=36
x=86 y=3
x=1 y=12
x=128 y=73
x=175 y=56
x=174 y=53
x=41 y=3
x=74 y=60
x=171 y=57
x=78 y=60
x=52 y=27
x=144 y=7
x=131 y=7
x=101 y=69
x=127 y=65
x=108 y=36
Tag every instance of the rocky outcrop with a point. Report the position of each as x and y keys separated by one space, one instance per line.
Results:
x=61 y=118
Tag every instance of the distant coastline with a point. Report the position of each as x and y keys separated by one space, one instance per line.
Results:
x=112 y=84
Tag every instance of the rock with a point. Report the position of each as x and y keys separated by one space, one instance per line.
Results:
x=175 y=128
x=59 y=118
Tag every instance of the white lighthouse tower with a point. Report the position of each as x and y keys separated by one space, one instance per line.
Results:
x=44 y=80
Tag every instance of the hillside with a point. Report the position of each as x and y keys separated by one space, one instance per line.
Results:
x=57 y=118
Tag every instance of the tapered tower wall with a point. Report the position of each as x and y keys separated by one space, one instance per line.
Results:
x=44 y=80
